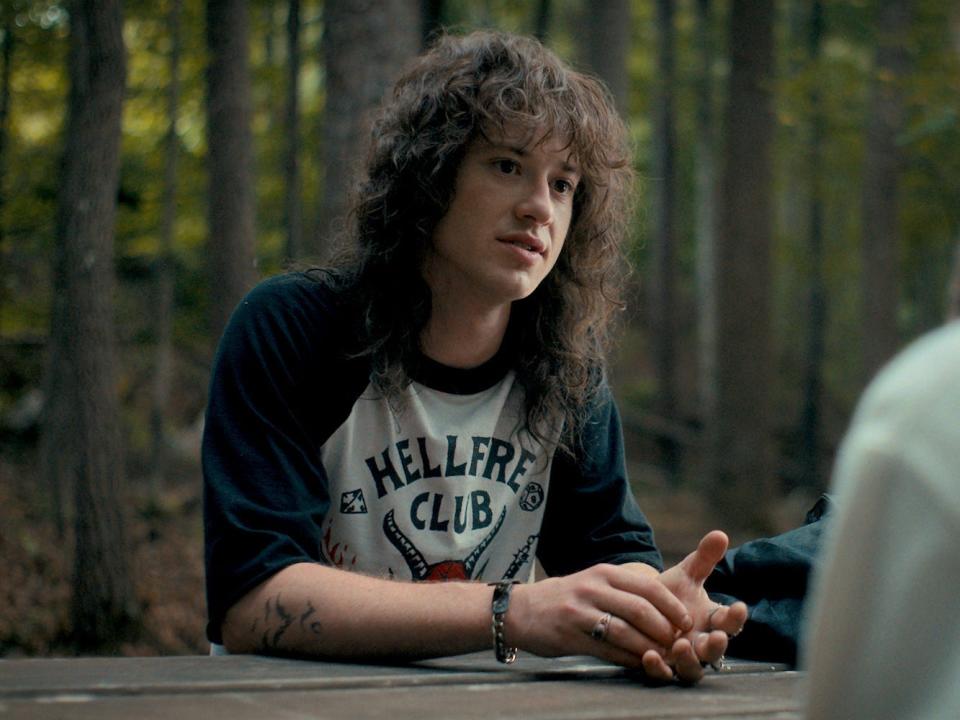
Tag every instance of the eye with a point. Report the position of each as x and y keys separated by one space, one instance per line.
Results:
x=563 y=186
x=507 y=166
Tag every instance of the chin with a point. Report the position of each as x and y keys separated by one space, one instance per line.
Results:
x=515 y=288
x=521 y=293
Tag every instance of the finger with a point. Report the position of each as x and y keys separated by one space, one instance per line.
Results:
x=656 y=667
x=624 y=635
x=730 y=619
x=685 y=662
x=656 y=594
x=616 y=656
x=700 y=563
x=709 y=647
x=636 y=655
x=642 y=617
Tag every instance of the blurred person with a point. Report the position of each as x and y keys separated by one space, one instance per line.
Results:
x=884 y=635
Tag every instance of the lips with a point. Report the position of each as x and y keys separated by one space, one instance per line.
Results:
x=530 y=243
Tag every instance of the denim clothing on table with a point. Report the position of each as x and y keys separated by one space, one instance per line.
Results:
x=771 y=576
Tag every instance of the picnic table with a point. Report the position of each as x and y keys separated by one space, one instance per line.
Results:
x=468 y=686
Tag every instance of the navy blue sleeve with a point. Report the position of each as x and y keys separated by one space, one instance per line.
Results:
x=591 y=515
x=279 y=388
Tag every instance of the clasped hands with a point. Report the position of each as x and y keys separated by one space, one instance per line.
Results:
x=631 y=615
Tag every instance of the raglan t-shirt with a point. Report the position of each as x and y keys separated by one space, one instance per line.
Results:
x=305 y=461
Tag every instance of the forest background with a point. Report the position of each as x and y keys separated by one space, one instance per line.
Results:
x=797 y=224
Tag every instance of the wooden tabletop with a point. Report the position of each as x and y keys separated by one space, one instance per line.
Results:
x=469 y=686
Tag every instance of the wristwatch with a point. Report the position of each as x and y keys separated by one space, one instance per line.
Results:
x=501 y=601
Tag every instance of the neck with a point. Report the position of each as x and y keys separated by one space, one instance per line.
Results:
x=463 y=339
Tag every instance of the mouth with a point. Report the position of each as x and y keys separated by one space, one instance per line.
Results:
x=530 y=243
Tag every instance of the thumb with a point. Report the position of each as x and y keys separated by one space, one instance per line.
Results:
x=700 y=563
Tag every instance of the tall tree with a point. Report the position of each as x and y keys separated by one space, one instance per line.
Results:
x=879 y=199
x=953 y=289
x=85 y=408
x=606 y=44
x=541 y=21
x=270 y=30
x=705 y=220
x=230 y=146
x=743 y=454
x=293 y=207
x=363 y=52
x=953 y=284
x=810 y=420
x=432 y=14
x=7 y=26
x=164 y=306
x=664 y=323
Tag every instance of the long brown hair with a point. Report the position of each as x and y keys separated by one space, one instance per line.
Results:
x=461 y=88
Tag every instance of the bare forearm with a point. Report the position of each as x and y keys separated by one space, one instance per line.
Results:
x=309 y=609
x=315 y=610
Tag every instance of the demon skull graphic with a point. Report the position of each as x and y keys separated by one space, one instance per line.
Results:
x=420 y=569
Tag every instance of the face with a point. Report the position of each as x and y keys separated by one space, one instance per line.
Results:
x=506 y=224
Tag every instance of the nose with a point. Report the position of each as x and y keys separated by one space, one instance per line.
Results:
x=536 y=203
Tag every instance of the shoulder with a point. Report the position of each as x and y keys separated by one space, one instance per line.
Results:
x=595 y=437
x=293 y=323
x=601 y=414
x=924 y=378
x=293 y=294
x=907 y=416
x=294 y=306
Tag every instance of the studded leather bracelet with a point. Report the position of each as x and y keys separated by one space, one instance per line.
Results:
x=501 y=601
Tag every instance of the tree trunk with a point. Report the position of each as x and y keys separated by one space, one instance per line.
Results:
x=953 y=290
x=163 y=360
x=744 y=458
x=816 y=302
x=56 y=440
x=84 y=408
x=793 y=201
x=365 y=46
x=6 y=57
x=293 y=207
x=275 y=109
x=953 y=285
x=879 y=190
x=606 y=38
x=541 y=21
x=230 y=148
x=705 y=221
x=432 y=20
x=664 y=323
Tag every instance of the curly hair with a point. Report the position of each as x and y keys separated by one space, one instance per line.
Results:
x=462 y=88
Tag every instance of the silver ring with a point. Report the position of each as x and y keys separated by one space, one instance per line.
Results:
x=710 y=617
x=718 y=665
x=599 y=631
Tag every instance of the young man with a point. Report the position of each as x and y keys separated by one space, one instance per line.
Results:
x=434 y=407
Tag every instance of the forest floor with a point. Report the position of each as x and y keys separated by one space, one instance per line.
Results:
x=166 y=544
x=166 y=550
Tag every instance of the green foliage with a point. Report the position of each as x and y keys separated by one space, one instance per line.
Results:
x=929 y=199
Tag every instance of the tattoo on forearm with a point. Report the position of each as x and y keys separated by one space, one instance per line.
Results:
x=286 y=619
x=277 y=620
x=314 y=625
